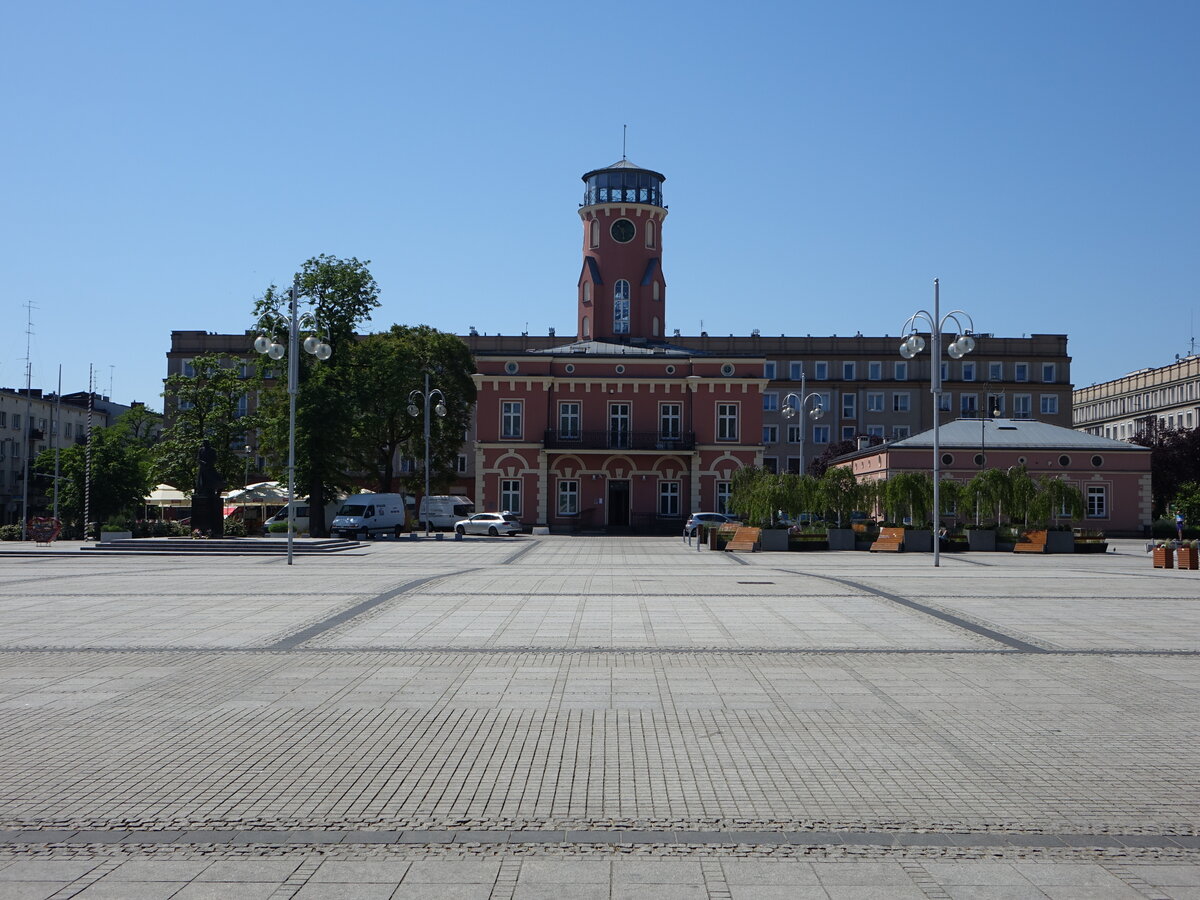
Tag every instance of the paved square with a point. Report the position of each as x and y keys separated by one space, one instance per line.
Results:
x=394 y=720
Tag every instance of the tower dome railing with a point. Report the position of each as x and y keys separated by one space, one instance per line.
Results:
x=623 y=186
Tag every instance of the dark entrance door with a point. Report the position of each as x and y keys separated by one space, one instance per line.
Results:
x=618 y=504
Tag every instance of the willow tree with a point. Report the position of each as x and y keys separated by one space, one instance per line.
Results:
x=911 y=491
x=839 y=492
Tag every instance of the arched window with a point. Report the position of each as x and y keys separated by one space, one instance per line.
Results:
x=656 y=296
x=587 y=292
x=621 y=307
x=587 y=328
x=595 y=233
x=650 y=233
x=654 y=327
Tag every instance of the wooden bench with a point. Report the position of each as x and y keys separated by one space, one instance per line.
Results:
x=746 y=539
x=889 y=539
x=1030 y=542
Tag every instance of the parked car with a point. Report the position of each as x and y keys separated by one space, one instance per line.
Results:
x=695 y=520
x=489 y=523
x=443 y=510
x=370 y=515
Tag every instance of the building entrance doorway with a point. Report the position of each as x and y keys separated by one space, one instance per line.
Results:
x=618 y=504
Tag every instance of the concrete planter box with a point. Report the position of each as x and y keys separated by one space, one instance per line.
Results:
x=981 y=539
x=1060 y=542
x=840 y=538
x=773 y=539
x=918 y=540
x=108 y=536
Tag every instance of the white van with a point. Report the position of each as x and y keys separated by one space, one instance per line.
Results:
x=443 y=510
x=281 y=517
x=369 y=515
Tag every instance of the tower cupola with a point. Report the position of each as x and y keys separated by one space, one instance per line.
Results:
x=622 y=290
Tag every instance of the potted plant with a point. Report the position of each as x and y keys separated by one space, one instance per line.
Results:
x=1164 y=555
x=1187 y=554
x=839 y=488
x=115 y=532
x=1055 y=499
x=910 y=497
x=1090 y=540
x=981 y=537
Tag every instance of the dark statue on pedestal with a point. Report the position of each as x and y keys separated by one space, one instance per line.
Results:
x=208 y=513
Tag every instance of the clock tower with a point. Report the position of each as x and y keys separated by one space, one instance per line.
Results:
x=622 y=291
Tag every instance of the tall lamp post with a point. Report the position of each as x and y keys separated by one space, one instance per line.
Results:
x=913 y=344
x=276 y=351
x=440 y=409
x=794 y=404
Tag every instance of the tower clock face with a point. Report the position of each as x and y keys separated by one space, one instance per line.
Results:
x=623 y=231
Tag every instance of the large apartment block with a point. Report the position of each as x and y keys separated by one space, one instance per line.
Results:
x=1166 y=397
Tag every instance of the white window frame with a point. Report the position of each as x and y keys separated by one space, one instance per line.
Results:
x=968 y=403
x=769 y=369
x=770 y=401
x=821 y=434
x=568 y=497
x=1048 y=404
x=1096 y=501
x=727 y=421
x=771 y=464
x=794 y=433
x=968 y=371
x=1021 y=371
x=901 y=402
x=875 y=370
x=668 y=499
x=875 y=431
x=946 y=401
x=1052 y=369
x=876 y=401
x=795 y=370
x=848 y=368
x=670 y=421
x=510 y=495
x=849 y=405
x=821 y=370
x=900 y=432
x=565 y=416
x=770 y=434
x=900 y=370
x=512 y=413
x=995 y=371
x=721 y=496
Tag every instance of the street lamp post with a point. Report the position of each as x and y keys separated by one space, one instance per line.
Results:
x=794 y=404
x=913 y=344
x=276 y=351
x=425 y=396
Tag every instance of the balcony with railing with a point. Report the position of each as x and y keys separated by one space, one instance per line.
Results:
x=618 y=439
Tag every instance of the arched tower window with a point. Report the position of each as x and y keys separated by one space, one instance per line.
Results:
x=587 y=328
x=654 y=327
x=650 y=233
x=656 y=296
x=595 y=233
x=587 y=292
x=621 y=307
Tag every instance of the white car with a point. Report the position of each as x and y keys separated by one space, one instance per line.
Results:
x=489 y=523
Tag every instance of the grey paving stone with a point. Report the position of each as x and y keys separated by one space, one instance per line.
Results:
x=526 y=891
x=31 y=890
x=1045 y=874
x=768 y=872
x=47 y=836
x=158 y=870
x=443 y=892
x=99 y=837
x=382 y=871
x=863 y=874
x=47 y=869
x=372 y=837
x=426 y=837
x=208 y=836
x=777 y=892
x=480 y=837
x=249 y=870
x=452 y=871
x=538 y=837
x=152 y=837
x=656 y=871
x=313 y=891
x=540 y=871
x=224 y=890
x=982 y=873
x=695 y=891
x=130 y=890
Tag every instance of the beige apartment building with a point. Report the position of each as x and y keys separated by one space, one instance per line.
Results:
x=1166 y=397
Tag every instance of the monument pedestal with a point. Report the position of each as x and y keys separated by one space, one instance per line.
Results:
x=208 y=514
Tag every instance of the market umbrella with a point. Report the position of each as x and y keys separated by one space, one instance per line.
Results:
x=261 y=494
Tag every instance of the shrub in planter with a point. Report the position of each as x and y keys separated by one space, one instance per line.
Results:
x=10 y=532
x=1188 y=555
x=235 y=529
x=1164 y=555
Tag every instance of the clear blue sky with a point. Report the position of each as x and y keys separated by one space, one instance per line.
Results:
x=165 y=162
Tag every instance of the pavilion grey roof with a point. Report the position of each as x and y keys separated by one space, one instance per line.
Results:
x=1014 y=433
x=606 y=348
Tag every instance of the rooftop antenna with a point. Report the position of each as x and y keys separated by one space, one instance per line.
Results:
x=624 y=133
x=110 y=381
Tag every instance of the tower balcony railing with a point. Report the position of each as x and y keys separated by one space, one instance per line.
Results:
x=618 y=439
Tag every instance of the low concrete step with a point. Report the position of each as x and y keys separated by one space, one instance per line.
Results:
x=229 y=546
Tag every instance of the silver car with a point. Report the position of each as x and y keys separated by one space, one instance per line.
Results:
x=489 y=523
x=695 y=520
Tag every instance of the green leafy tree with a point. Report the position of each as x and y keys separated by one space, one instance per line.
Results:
x=201 y=407
x=840 y=491
x=989 y=490
x=121 y=474
x=1174 y=460
x=337 y=296
x=388 y=367
x=1187 y=501
x=950 y=495
x=1053 y=497
x=1023 y=499
x=910 y=493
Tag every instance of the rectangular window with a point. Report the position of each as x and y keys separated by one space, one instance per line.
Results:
x=968 y=405
x=769 y=369
x=826 y=401
x=1049 y=404
x=946 y=401
x=847 y=371
x=795 y=371
x=899 y=432
x=242 y=406
x=848 y=432
x=511 y=415
x=1048 y=371
x=771 y=464
x=995 y=405
x=821 y=371
x=3 y=419
x=793 y=433
x=1021 y=406
x=995 y=371
x=460 y=463
x=727 y=422
x=900 y=402
x=510 y=496
x=1097 y=501
x=568 y=421
x=568 y=498
x=189 y=371
x=875 y=402
x=968 y=371
x=770 y=434
x=849 y=406
x=793 y=465
x=16 y=420
x=1020 y=371
x=945 y=368
x=668 y=499
x=723 y=496
x=670 y=421
x=820 y=434
x=875 y=430
x=900 y=370
x=770 y=401
x=874 y=371
x=618 y=425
